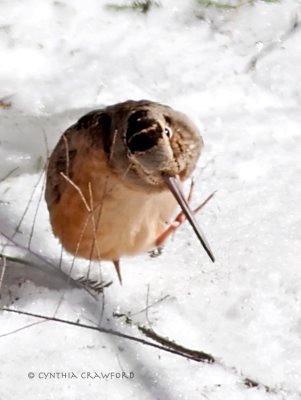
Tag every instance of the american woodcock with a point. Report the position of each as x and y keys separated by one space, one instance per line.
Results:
x=114 y=179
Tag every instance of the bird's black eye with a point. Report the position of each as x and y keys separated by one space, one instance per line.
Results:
x=142 y=133
x=168 y=132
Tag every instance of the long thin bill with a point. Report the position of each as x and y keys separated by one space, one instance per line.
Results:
x=174 y=186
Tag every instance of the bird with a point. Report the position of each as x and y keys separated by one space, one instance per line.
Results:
x=114 y=180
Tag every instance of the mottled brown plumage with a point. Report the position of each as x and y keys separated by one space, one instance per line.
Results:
x=113 y=178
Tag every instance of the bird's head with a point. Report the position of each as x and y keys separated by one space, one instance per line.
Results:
x=159 y=142
x=156 y=149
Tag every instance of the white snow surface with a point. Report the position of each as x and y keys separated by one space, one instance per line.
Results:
x=60 y=59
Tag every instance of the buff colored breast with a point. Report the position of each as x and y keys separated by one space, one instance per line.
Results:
x=107 y=220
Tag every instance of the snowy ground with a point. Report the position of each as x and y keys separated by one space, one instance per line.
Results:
x=59 y=59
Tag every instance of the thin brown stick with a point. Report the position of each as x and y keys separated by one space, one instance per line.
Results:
x=22 y=328
x=89 y=216
x=147 y=306
x=67 y=154
x=46 y=144
x=41 y=258
x=16 y=260
x=268 y=48
x=197 y=209
x=17 y=229
x=41 y=192
x=2 y=272
x=90 y=209
x=21 y=246
x=108 y=331
x=36 y=213
x=95 y=243
x=192 y=184
x=100 y=205
x=77 y=189
x=8 y=174
x=180 y=218
x=99 y=208
x=72 y=265
x=61 y=258
x=164 y=345
x=113 y=144
x=150 y=305
x=195 y=354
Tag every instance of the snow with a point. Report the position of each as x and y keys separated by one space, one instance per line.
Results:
x=60 y=59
